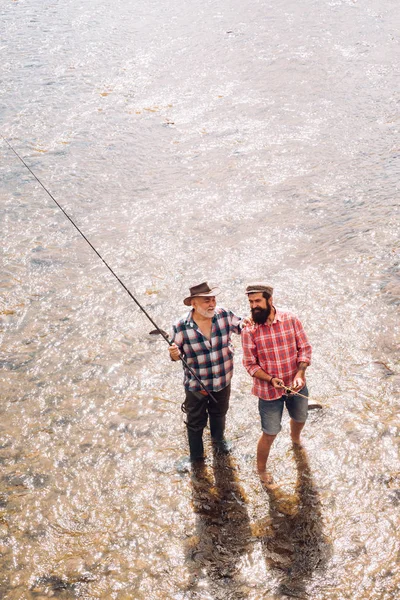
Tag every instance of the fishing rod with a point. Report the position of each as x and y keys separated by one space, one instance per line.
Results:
x=288 y=389
x=160 y=331
x=311 y=405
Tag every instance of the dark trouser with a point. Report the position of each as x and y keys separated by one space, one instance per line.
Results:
x=198 y=408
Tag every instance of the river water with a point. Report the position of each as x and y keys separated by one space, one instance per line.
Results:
x=190 y=141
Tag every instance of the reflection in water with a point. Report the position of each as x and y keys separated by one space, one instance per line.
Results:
x=223 y=528
x=292 y=537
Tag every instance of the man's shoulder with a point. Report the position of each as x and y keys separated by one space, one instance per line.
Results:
x=285 y=315
x=249 y=330
x=220 y=311
x=227 y=316
x=182 y=322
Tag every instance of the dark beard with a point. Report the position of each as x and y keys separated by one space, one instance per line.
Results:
x=260 y=315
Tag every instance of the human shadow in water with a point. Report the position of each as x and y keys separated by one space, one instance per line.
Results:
x=223 y=530
x=292 y=535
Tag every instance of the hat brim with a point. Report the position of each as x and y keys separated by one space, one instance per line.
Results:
x=213 y=292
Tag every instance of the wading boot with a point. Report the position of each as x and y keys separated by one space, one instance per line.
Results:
x=196 y=447
x=217 y=429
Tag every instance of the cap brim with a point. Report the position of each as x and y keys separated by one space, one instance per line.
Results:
x=259 y=291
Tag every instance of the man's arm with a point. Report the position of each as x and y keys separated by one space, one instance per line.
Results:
x=235 y=322
x=274 y=381
x=177 y=344
x=304 y=351
x=250 y=361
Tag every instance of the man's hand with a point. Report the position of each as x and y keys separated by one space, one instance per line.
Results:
x=299 y=381
x=277 y=383
x=174 y=352
x=247 y=322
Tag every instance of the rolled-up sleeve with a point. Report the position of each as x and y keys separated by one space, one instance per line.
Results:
x=250 y=361
x=177 y=338
x=304 y=349
x=235 y=322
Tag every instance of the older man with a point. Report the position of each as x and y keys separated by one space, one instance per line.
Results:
x=203 y=338
x=276 y=353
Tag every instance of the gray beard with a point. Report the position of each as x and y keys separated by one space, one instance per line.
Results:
x=206 y=313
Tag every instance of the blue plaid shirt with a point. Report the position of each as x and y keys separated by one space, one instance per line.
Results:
x=211 y=360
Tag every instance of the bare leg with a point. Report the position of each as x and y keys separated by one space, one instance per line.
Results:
x=263 y=448
x=295 y=430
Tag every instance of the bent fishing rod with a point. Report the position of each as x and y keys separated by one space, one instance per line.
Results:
x=160 y=331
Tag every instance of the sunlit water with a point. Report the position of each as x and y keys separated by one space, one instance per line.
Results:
x=197 y=140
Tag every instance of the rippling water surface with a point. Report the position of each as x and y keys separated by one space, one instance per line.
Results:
x=190 y=141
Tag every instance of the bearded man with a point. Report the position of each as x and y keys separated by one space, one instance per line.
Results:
x=203 y=338
x=276 y=353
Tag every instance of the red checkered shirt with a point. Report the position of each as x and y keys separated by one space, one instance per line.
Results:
x=277 y=349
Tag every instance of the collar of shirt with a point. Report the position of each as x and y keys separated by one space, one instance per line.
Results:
x=189 y=319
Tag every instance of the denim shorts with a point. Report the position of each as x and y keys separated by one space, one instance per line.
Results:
x=271 y=411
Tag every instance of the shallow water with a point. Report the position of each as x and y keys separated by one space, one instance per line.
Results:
x=191 y=141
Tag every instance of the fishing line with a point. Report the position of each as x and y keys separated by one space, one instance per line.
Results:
x=160 y=331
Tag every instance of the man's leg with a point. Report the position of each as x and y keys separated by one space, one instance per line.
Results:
x=271 y=416
x=263 y=447
x=298 y=410
x=195 y=407
x=295 y=430
x=217 y=413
